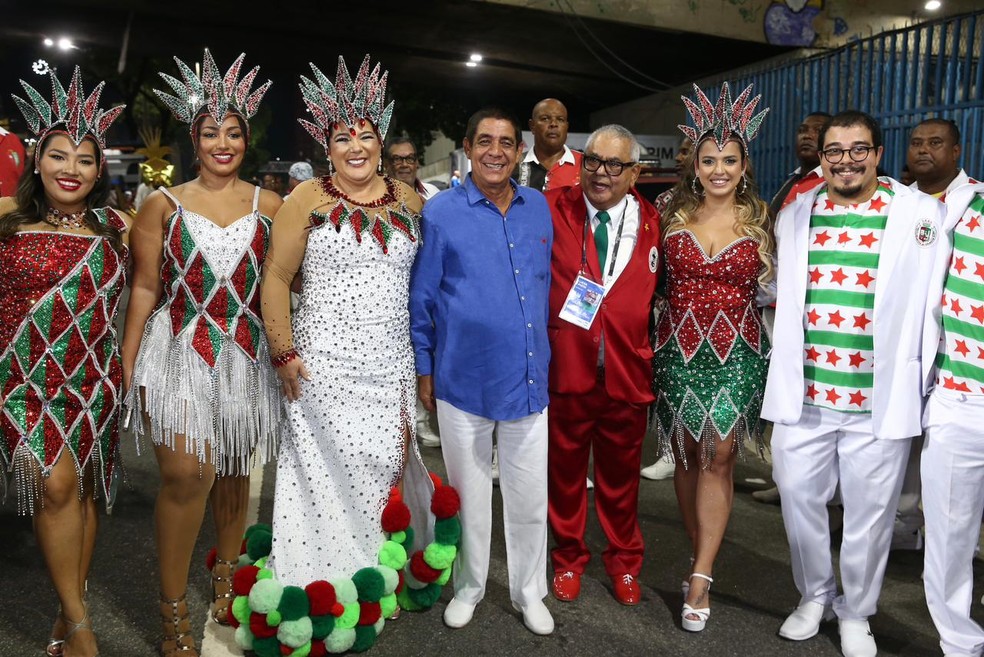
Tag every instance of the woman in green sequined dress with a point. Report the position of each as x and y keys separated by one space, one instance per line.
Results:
x=710 y=352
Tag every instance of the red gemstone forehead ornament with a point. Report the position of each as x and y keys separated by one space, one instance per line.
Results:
x=345 y=102
x=70 y=111
x=219 y=95
x=724 y=120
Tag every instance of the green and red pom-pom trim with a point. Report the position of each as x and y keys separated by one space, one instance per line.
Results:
x=346 y=614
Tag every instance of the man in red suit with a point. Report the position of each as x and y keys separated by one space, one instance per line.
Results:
x=604 y=269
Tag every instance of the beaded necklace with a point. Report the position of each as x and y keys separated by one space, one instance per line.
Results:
x=59 y=219
x=389 y=197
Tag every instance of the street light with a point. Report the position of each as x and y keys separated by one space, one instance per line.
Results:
x=933 y=5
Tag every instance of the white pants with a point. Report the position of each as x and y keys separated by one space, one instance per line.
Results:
x=810 y=458
x=466 y=442
x=910 y=516
x=953 y=499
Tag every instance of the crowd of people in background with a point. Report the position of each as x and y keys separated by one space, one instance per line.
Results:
x=535 y=321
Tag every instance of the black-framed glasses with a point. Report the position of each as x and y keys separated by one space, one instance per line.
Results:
x=612 y=167
x=858 y=153
x=403 y=159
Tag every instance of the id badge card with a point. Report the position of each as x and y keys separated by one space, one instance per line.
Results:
x=583 y=302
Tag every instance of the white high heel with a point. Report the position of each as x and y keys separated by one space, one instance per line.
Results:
x=702 y=615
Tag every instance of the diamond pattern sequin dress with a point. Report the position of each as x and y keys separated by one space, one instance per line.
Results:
x=60 y=370
x=203 y=362
x=345 y=444
x=710 y=352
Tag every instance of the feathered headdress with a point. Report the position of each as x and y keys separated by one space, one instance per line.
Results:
x=69 y=112
x=725 y=120
x=217 y=93
x=345 y=101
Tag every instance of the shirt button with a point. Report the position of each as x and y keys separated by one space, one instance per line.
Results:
x=529 y=326
x=515 y=271
x=512 y=246
x=595 y=340
x=531 y=382
x=522 y=298
x=530 y=354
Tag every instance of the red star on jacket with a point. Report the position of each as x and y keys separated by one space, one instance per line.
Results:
x=843 y=238
x=832 y=396
x=865 y=279
x=868 y=240
x=813 y=316
x=948 y=382
x=956 y=307
x=856 y=359
x=812 y=354
x=974 y=223
x=877 y=204
x=857 y=398
x=812 y=392
x=958 y=264
x=821 y=238
x=980 y=353
x=815 y=275
x=861 y=321
x=979 y=270
x=835 y=318
x=960 y=346
x=977 y=312
x=828 y=205
x=832 y=357
x=838 y=276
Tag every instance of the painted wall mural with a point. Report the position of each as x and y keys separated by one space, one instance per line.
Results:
x=791 y=22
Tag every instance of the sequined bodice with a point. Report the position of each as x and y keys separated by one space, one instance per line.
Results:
x=211 y=280
x=59 y=295
x=710 y=298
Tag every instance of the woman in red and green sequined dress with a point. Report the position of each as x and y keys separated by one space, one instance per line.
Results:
x=710 y=352
x=61 y=274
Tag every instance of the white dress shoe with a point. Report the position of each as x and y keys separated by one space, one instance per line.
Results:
x=536 y=617
x=856 y=639
x=458 y=614
x=658 y=470
x=804 y=622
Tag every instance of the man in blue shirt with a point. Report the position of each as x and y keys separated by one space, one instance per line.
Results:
x=478 y=317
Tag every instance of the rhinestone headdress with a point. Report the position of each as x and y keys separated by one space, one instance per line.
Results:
x=345 y=101
x=725 y=120
x=218 y=94
x=70 y=111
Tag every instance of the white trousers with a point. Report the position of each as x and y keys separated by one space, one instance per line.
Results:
x=466 y=442
x=953 y=499
x=810 y=458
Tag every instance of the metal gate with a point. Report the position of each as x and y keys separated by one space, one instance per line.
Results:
x=899 y=77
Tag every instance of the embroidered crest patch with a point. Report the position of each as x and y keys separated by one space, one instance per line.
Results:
x=653 y=259
x=926 y=232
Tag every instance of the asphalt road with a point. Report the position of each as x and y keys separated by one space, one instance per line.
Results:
x=752 y=592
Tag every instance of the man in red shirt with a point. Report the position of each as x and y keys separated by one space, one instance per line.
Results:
x=11 y=162
x=550 y=164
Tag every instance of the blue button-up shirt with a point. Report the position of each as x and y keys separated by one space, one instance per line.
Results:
x=479 y=300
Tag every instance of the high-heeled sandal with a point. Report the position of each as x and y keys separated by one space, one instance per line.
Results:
x=698 y=624
x=84 y=624
x=179 y=632
x=56 y=647
x=220 y=612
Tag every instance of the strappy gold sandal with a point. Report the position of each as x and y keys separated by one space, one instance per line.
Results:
x=177 y=629
x=220 y=610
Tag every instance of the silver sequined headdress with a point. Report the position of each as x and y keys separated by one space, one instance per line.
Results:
x=217 y=94
x=725 y=120
x=345 y=101
x=70 y=111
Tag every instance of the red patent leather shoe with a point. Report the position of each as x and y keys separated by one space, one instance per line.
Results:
x=626 y=589
x=567 y=585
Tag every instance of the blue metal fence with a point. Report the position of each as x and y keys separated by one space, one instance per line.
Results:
x=899 y=77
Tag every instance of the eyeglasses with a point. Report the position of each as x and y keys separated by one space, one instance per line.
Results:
x=612 y=167
x=858 y=153
x=404 y=159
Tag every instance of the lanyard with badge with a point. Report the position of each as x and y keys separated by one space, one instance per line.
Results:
x=584 y=300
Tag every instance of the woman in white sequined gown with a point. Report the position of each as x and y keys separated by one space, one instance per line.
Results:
x=346 y=363
x=195 y=357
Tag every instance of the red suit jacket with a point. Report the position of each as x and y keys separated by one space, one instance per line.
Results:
x=624 y=315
